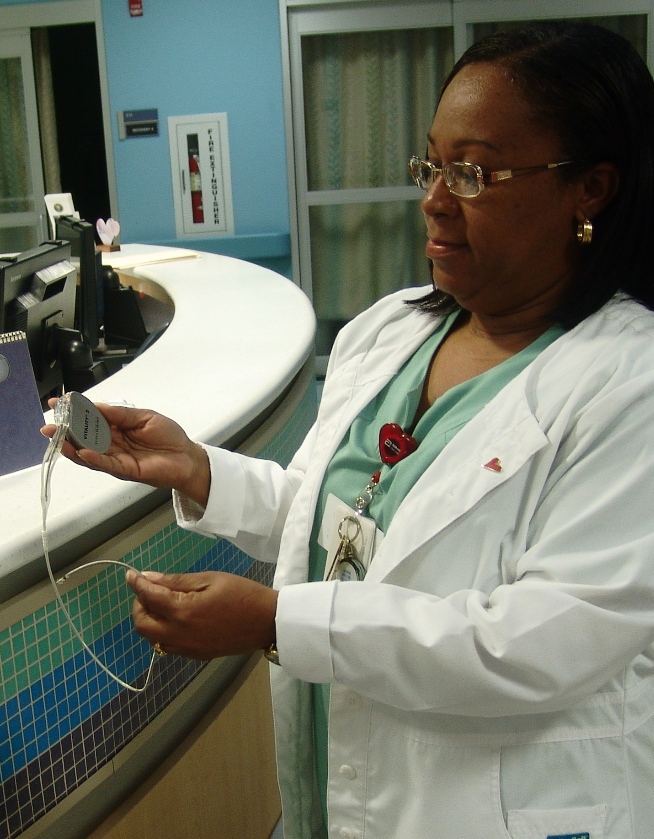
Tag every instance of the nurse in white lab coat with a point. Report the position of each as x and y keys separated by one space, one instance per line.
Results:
x=491 y=672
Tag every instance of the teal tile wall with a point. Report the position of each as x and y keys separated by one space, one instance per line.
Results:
x=61 y=716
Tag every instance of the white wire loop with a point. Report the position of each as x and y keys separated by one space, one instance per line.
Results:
x=61 y=419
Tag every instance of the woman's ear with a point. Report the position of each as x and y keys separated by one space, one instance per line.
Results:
x=599 y=186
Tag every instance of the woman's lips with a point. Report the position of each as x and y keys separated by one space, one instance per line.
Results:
x=438 y=248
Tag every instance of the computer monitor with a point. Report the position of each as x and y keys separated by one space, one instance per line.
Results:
x=38 y=298
x=90 y=309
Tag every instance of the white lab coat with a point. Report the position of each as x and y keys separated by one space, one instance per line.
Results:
x=493 y=676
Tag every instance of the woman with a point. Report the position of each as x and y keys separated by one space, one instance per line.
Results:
x=492 y=674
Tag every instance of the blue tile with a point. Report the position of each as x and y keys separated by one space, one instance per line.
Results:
x=27 y=716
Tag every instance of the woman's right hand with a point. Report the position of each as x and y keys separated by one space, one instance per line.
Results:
x=149 y=448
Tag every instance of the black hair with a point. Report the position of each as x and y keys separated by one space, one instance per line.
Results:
x=590 y=86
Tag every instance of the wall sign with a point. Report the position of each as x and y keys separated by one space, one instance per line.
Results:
x=143 y=123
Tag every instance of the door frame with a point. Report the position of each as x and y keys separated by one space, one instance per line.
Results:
x=36 y=15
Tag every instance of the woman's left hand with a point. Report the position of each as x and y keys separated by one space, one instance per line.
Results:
x=203 y=615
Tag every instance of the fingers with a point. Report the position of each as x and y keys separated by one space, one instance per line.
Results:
x=121 y=416
x=153 y=580
x=162 y=596
x=203 y=615
x=154 y=597
x=68 y=450
x=49 y=430
x=160 y=611
x=124 y=417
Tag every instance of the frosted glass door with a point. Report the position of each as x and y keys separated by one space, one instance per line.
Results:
x=364 y=86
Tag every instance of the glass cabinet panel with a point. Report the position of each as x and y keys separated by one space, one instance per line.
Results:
x=369 y=98
x=360 y=252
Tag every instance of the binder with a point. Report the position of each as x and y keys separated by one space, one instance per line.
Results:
x=21 y=416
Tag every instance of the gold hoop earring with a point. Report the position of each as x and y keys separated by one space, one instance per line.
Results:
x=585 y=232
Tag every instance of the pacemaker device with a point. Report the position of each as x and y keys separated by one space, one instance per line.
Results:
x=85 y=426
x=79 y=421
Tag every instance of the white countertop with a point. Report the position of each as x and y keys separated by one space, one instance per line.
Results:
x=239 y=335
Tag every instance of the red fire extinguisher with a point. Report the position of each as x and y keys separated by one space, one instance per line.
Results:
x=196 y=189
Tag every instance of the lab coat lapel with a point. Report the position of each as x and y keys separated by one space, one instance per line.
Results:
x=358 y=380
x=486 y=453
x=362 y=377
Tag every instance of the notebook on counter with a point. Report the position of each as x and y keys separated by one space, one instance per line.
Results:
x=133 y=256
x=21 y=415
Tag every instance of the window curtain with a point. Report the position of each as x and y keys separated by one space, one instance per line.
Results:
x=369 y=99
x=15 y=181
x=47 y=117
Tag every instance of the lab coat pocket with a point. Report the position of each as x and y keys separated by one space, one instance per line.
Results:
x=571 y=823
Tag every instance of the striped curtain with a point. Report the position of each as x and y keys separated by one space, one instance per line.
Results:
x=47 y=115
x=369 y=100
x=15 y=181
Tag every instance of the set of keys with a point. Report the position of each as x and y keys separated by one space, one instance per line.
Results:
x=357 y=537
x=346 y=565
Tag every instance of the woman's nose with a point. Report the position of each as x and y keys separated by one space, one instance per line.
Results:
x=438 y=199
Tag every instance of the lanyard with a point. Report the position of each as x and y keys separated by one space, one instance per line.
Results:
x=394 y=445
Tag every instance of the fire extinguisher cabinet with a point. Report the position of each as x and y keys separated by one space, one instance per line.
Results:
x=202 y=187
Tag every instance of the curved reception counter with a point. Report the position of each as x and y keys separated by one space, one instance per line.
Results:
x=192 y=755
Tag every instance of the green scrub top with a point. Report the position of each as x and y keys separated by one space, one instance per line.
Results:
x=358 y=458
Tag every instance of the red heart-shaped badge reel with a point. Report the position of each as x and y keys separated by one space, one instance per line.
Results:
x=394 y=443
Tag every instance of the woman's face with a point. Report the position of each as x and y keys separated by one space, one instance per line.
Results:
x=512 y=249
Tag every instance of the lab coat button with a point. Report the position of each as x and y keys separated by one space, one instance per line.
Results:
x=346 y=833
x=348 y=772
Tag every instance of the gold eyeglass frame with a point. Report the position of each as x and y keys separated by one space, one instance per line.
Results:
x=417 y=165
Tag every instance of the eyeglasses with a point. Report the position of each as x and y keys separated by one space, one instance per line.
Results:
x=466 y=180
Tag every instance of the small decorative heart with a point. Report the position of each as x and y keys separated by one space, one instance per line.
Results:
x=493 y=465
x=394 y=443
x=107 y=230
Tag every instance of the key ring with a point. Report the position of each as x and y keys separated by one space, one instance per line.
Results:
x=346 y=557
x=349 y=519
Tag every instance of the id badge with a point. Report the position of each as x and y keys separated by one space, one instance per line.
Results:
x=339 y=522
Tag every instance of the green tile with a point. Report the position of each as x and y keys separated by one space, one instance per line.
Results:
x=73 y=607
x=17 y=642
x=30 y=635
x=22 y=682
x=20 y=662
x=9 y=688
